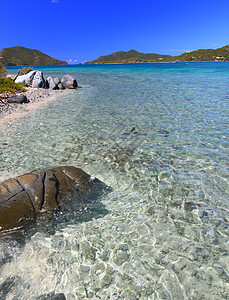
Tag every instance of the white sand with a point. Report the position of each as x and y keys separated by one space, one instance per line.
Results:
x=37 y=98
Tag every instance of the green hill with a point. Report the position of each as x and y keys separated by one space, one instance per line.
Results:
x=220 y=54
x=21 y=56
x=131 y=56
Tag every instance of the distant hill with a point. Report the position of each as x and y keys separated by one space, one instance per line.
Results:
x=220 y=54
x=131 y=56
x=21 y=56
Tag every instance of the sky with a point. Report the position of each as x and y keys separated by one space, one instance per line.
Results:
x=82 y=30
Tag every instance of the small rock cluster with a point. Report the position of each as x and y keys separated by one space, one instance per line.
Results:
x=35 y=79
x=38 y=81
x=67 y=82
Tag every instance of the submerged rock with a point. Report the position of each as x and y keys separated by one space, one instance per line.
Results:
x=34 y=198
x=52 y=296
x=7 y=285
x=190 y=206
x=69 y=82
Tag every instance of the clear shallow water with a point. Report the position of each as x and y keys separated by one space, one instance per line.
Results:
x=158 y=135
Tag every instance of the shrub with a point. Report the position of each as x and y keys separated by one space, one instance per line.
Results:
x=25 y=70
x=8 y=85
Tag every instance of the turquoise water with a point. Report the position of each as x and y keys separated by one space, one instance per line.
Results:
x=158 y=134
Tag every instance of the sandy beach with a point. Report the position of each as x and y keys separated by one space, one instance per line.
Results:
x=37 y=98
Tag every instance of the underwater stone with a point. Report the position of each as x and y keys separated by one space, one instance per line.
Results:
x=104 y=255
x=90 y=254
x=109 y=270
x=120 y=257
x=84 y=271
x=190 y=206
x=7 y=285
x=99 y=268
x=96 y=282
x=106 y=280
x=34 y=198
x=52 y=296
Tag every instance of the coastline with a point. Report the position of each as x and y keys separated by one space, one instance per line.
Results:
x=156 y=62
x=38 y=97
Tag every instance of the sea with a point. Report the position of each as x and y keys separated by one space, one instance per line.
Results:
x=158 y=135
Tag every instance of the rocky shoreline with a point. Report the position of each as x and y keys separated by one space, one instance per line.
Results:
x=33 y=95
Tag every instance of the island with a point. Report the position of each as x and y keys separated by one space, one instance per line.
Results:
x=132 y=56
x=21 y=56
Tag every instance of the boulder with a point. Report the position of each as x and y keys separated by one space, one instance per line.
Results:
x=38 y=80
x=58 y=83
x=51 y=84
x=18 y=99
x=27 y=78
x=34 y=198
x=60 y=86
x=57 y=80
x=69 y=82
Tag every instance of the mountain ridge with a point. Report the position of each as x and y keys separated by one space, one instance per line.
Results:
x=22 y=56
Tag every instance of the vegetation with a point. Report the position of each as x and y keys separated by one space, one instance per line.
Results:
x=25 y=70
x=3 y=72
x=131 y=56
x=220 y=54
x=21 y=56
x=8 y=85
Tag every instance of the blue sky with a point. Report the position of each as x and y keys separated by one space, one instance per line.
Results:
x=82 y=30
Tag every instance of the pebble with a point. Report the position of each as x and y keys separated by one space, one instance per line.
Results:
x=104 y=255
x=84 y=271
x=120 y=257
x=106 y=280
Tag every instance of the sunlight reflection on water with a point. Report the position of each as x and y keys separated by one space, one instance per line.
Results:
x=160 y=140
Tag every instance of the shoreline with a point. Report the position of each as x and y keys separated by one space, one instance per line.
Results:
x=38 y=97
x=155 y=62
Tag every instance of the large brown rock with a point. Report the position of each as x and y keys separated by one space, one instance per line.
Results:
x=35 y=197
